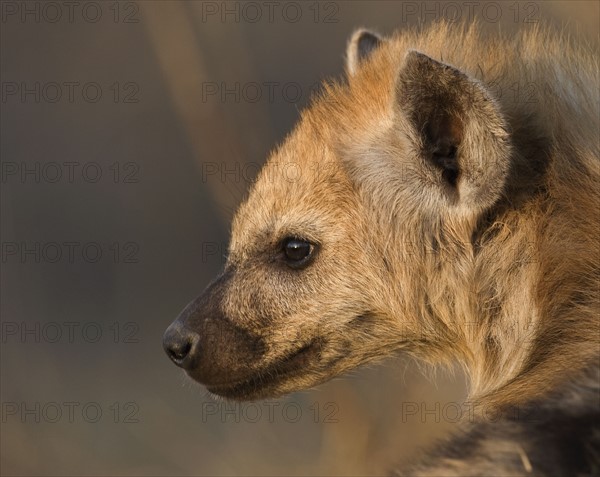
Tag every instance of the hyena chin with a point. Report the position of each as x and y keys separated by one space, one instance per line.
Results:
x=441 y=201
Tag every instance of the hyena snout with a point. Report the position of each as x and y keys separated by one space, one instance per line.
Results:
x=209 y=346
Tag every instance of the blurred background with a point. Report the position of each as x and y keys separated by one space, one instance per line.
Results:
x=130 y=131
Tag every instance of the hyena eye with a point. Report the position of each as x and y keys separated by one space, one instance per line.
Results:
x=297 y=252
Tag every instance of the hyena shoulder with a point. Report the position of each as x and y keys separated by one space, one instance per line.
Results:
x=554 y=436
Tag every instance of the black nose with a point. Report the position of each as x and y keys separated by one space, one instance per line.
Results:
x=179 y=343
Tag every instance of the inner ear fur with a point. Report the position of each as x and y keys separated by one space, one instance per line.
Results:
x=458 y=128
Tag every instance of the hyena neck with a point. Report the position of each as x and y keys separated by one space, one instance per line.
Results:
x=487 y=322
x=488 y=299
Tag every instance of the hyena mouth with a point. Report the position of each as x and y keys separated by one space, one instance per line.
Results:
x=265 y=382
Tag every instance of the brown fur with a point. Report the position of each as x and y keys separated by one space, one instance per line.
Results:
x=451 y=220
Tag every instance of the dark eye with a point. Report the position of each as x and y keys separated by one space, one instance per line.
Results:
x=297 y=252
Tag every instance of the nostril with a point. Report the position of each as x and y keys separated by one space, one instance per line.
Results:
x=178 y=343
x=179 y=351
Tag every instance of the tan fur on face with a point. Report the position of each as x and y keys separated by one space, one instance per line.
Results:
x=411 y=261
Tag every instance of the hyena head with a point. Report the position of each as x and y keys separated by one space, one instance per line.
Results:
x=328 y=255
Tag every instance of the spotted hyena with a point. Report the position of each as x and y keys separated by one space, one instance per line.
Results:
x=442 y=200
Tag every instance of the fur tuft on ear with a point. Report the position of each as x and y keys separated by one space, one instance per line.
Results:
x=360 y=46
x=458 y=130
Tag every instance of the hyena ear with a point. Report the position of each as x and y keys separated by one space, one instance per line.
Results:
x=458 y=130
x=360 y=46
